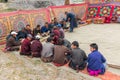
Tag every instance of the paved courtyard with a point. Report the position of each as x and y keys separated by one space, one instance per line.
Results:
x=107 y=36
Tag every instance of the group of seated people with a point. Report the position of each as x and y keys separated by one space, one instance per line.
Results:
x=57 y=49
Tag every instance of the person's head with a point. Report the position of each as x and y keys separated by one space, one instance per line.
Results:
x=60 y=41
x=38 y=27
x=27 y=27
x=55 y=28
x=37 y=37
x=75 y=44
x=93 y=47
x=29 y=37
x=55 y=19
x=46 y=24
x=66 y=12
x=50 y=39
x=52 y=21
x=13 y=33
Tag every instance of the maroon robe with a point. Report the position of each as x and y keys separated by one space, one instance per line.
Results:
x=36 y=48
x=25 y=47
x=56 y=32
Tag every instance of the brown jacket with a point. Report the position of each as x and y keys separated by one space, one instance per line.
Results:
x=59 y=54
x=11 y=42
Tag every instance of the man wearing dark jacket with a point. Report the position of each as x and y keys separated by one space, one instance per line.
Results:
x=11 y=43
x=78 y=57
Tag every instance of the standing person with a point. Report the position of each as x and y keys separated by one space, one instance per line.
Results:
x=72 y=20
x=47 y=52
x=11 y=43
x=36 y=30
x=36 y=47
x=25 y=46
x=78 y=57
x=60 y=52
x=96 y=61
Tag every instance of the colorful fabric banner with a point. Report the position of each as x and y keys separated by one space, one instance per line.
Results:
x=79 y=9
x=92 y=12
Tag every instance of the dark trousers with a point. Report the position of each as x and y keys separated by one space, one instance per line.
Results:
x=76 y=66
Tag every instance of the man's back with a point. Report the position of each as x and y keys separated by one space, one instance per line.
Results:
x=78 y=56
x=47 y=50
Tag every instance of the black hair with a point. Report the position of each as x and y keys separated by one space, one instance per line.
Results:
x=27 y=25
x=60 y=41
x=94 y=46
x=38 y=26
x=49 y=39
x=46 y=22
x=75 y=43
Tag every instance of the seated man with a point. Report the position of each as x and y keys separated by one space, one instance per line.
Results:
x=61 y=31
x=78 y=57
x=60 y=52
x=55 y=38
x=45 y=29
x=22 y=34
x=67 y=43
x=36 y=47
x=36 y=30
x=47 y=52
x=11 y=43
x=25 y=46
x=96 y=61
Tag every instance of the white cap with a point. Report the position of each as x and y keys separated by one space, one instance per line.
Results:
x=13 y=32
x=37 y=36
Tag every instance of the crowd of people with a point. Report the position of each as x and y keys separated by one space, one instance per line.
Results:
x=57 y=49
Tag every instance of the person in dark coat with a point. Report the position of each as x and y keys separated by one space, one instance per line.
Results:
x=36 y=47
x=28 y=30
x=67 y=43
x=78 y=57
x=36 y=30
x=25 y=46
x=60 y=52
x=51 y=25
x=71 y=18
x=47 y=52
x=11 y=43
x=55 y=22
x=96 y=61
x=22 y=34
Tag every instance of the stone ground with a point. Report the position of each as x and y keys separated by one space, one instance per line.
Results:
x=16 y=67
